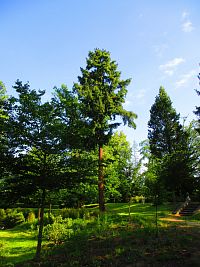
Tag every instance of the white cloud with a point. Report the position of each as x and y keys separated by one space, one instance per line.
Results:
x=170 y=67
x=187 y=26
x=186 y=22
x=184 y=15
x=185 y=78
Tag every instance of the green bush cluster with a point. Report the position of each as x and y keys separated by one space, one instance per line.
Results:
x=10 y=218
x=138 y=199
x=75 y=213
x=13 y=218
x=62 y=229
x=2 y=218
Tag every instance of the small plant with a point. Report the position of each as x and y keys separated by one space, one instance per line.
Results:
x=59 y=231
x=31 y=217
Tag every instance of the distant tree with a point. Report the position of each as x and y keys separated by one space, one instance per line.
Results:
x=194 y=144
x=169 y=143
x=118 y=169
x=101 y=94
x=164 y=131
x=5 y=154
x=197 y=111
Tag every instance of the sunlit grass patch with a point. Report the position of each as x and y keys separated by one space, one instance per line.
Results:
x=16 y=246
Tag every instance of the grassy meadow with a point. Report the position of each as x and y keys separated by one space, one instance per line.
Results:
x=126 y=235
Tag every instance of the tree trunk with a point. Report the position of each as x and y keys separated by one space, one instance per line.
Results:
x=101 y=181
x=41 y=224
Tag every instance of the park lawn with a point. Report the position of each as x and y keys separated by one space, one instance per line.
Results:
x=139 y=209
x=116 y=240
x=16 y=246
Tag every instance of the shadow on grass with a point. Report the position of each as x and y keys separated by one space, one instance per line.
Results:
x=174 y=246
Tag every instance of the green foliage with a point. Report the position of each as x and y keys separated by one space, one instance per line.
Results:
x=138 y=199
x=57 y=232
x=31 y=217
x=63 y=229
x=40 y=162
x=164 y=129
x=13 y=218
x=197 y=111
x=74 y=213
x=3 y=98
x=2 y=218
x=169 y=144
x=102 y=93
x=118 y=168
x=48 y=218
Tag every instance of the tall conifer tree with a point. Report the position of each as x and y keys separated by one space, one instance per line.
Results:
x=101 y=93
x=169 y=144
x=164 y=127
x=197 y=111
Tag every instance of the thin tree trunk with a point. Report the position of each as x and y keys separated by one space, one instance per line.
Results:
x=41 y=224
x=101 y=181
x=39 y=212
x=156 y=202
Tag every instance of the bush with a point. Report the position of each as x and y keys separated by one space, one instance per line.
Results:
x=31 y=217
x=13 y=218
x=138 y=199
x=59 y=231
x=48 y=219
x=2 y=218
x=75 y=213
x=70 y=213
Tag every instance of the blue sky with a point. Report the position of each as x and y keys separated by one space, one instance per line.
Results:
x=155 y=43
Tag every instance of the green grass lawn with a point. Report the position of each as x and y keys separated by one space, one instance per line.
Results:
x=121 y=237
x=16 y=246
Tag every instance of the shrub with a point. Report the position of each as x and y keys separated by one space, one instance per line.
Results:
x=59 y=231
x=137 y=199
x=13 y=218
x=75 y=213
x=70 y=213
x=48 y=219
x=31 y=217
x=2 y=218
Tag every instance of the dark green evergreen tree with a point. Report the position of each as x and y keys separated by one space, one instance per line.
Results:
x=169 y=143
x=101 y=93
x=4 y=150
x=164 y=131
x=197 y=111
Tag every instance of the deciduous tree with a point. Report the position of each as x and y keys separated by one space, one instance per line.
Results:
x=36 y=135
